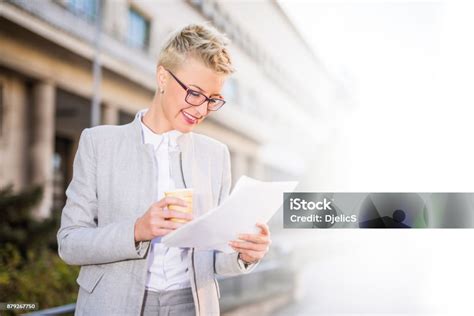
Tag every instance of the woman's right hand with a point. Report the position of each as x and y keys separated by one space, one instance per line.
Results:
x=156 y=220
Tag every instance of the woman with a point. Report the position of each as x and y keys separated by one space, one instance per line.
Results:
x=116 y=212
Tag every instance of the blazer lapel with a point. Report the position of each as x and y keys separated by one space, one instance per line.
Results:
x=185 y=144
x=196 y=174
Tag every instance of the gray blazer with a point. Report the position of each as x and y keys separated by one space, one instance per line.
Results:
x=113 y=184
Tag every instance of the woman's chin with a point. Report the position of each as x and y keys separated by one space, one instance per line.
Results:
x=184 y=128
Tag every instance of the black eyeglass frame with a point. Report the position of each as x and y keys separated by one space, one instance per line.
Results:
x=189 y=91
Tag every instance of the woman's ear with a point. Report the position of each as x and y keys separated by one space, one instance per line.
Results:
x=161 y=78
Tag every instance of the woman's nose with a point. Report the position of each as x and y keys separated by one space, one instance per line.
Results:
x=202 y=109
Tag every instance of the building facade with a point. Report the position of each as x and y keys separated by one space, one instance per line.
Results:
x=66 y=65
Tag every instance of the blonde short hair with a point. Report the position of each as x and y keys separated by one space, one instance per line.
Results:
x=201 y=41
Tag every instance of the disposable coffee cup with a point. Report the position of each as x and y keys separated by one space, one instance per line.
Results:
x=183 y=194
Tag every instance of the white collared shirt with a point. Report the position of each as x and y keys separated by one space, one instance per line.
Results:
x=167 y=267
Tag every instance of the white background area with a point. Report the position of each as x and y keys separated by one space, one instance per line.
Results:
x=409 y=67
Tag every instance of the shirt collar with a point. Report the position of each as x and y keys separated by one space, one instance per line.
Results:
x=149 y=137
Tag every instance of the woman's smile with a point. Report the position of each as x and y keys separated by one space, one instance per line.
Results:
x=188 y=118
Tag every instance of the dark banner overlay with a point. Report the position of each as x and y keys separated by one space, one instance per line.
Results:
x=378 y=210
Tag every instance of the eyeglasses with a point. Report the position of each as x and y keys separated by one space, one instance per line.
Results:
x=196 y=98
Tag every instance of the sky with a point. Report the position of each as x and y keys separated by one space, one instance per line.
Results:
x=407 y=66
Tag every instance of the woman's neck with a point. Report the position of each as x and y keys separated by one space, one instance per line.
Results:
x=155 y=119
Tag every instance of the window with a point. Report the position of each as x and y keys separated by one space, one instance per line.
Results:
x=138 y=30
x=85 y=8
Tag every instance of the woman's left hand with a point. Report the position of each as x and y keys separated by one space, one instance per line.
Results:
x=253 y=247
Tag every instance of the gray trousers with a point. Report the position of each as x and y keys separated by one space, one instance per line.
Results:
x=168 y=303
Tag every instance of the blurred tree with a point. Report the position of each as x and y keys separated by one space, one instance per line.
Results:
x=30 y=268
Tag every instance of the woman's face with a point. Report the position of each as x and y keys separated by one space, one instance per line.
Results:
x=179 y=114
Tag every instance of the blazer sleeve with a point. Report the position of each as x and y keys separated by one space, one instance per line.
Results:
x=225 y=263
x=80 y=240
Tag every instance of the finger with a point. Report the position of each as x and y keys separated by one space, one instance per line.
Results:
x=259 y=239
x=255 y=255
x=170 y=225
x=167 y=213
x=263 y=228
x=163 y=231
x=248 y=245
x=169 y=200
x=248 y=258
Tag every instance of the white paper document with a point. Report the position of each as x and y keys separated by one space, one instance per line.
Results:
x=251 y=201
